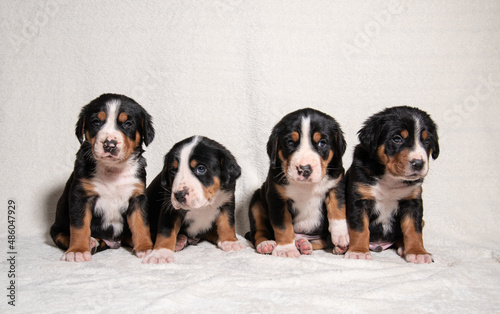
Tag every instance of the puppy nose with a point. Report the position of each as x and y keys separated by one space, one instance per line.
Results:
x=109 y=145
x=180 y=196
x=305 y=171
x=417 y=164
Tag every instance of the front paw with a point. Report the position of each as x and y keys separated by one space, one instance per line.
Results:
x=266 y=247
x=419 y=258
x=181 y=243
x=358 y=255
x=142 y=254
x=340 y=235
x=228 y=246
x=304 y=246
x=84 y=256
x=160 y=256
x=286 y=250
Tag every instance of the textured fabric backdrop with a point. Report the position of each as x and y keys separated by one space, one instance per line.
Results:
x=229 y=70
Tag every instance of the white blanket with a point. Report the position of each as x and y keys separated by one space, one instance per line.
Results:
x=205 y=279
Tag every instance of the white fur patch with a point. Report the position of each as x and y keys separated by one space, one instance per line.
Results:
x=160 y=256
x=228 y=246
x=109 y=131
x=115 y=187
x=286 y=250
x=339 y=232
x=305 y=156
x=418 y=152
x=201 y=219
x=186 y=180
x=388 y=191
x=308 y=199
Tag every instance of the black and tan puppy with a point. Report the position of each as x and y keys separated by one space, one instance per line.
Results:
x=303 y=196
x=384 y=184
x=104 y=201
x=193 y=199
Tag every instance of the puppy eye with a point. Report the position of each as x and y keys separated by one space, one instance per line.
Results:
x=200 y=170
x=290 y=143
x=397 y=139
x=127 y=124
x=322 y=143
x=96 y=122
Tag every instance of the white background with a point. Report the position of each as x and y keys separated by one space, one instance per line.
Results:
x=230 y=70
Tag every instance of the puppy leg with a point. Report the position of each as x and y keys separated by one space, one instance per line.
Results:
x=285 y=237
x=413 y=250
x=141 y=237
x=79 y=240
x=166 y=239
x=227 y=234
x=263 y=235
x=337 y=222
x=360 y=241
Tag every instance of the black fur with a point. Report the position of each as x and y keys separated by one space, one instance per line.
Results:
x=71 y=206
x=280 y=140
x=218 y=162
x=384 y=129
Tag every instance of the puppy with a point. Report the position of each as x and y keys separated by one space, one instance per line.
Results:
x=193 y=199
x=384 y=184
x=303 y=196
x=104 y=201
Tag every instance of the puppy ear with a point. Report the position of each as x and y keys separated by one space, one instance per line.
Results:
x=339 y=146
x=435 y=145
x=164 y=177
x=369 y=134
x=80 y=127
x=272 y=147
x=148 y=131
x=165 y=172
x=230 y=170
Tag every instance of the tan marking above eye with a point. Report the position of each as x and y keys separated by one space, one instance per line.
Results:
x=193 y=163
x=405 y=133
x=425 y=135
x=122 y=117
x=295 y=136
x=101 y=116
x=317 y=137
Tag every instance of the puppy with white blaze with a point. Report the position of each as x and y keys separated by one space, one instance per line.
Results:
x=193 y=199
x=301 y=205
x=384 y=184
x=104 y=203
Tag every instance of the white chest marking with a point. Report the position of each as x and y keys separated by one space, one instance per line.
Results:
x=200 y=220
x=308 y=199
x=388 y=192
x=115 y=190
